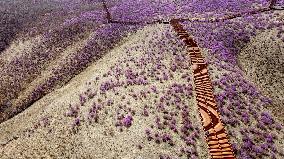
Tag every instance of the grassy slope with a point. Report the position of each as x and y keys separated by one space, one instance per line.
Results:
x=32 y=51
x=101 y=140
x=95 y=140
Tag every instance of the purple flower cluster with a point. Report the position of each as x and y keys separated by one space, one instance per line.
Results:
x=150 y=10
x=168 y=122
x=93 y=114
x=97 y=16
x=266 y=118
x=242 y=105
x=73 y=111
x=127 y=121
x=124 y=121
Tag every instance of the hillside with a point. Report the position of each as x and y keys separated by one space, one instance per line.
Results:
x=114 y=79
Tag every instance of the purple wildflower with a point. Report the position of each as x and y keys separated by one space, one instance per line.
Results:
x=127 y=121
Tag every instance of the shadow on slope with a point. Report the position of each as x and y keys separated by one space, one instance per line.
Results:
x=262 y=60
